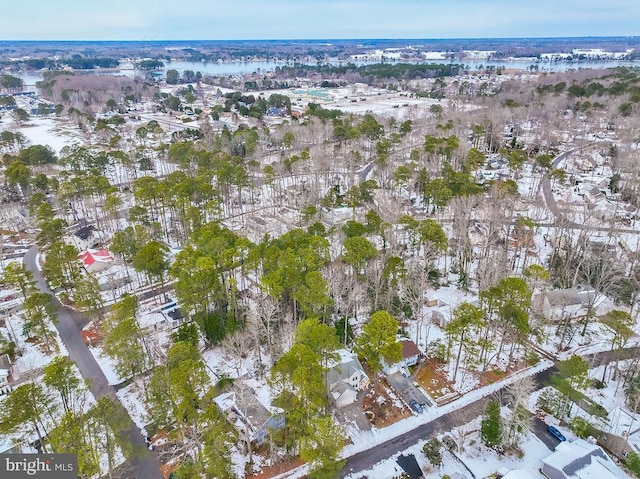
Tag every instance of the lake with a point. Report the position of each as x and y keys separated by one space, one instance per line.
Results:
x=237 y=68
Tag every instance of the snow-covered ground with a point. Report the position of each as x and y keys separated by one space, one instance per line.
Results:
x=45 y=131
x=479 y=459
x=363 y=440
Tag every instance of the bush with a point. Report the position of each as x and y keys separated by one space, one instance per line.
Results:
x=633 y=463
x=431 y=451
x=449 y=443
x=582 y=428
x=8 y=347
x=224 y=383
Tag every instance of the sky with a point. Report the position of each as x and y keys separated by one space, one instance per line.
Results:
x=314 y=19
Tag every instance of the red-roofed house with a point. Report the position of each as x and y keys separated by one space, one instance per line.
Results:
x=95 y=260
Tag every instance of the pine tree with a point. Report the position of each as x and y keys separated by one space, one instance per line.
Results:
x=378 y=342
x=491 y=427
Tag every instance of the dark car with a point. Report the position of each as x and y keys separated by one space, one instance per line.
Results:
x=416 y=406
x=555 y=433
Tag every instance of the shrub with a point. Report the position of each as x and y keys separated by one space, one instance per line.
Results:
x=431 y=450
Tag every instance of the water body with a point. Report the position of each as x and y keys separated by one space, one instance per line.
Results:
x=238 y=68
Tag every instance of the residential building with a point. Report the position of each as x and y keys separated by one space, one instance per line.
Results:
x=345 y=378
x=247 y=414
x=410 y=356
x=95 y=260
x=559 y=303
x=85 y=238
x=580 y=459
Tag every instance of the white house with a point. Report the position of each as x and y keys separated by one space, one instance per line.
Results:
x=410 y=356
x=345 y=378
x=515 y=474
x=85 y=238
x=580 y=460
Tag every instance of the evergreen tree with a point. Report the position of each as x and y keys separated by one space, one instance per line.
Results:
x=378 y=342
x=491 y=426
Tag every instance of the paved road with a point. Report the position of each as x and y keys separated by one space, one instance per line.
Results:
x=560 y=219
x=366 y=459
x=143 y=464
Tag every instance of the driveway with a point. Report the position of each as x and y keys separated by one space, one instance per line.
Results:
x=539 y=428
x=354 y=413
x=406 y=389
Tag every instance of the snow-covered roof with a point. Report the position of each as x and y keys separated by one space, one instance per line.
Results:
x=582 y=460
x=225 y=401
x=91 y=256
x=518 y=474
x=149 y=320
x=344 y=368
x=571 y=296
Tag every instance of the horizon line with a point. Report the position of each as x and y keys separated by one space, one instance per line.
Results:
x=573 y=37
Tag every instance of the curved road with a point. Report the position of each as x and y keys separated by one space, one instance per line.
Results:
x=561 y=219
x=69 y=325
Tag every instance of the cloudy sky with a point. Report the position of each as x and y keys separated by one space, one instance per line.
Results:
x=314 y=19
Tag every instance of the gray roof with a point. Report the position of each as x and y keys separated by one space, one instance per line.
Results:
x=582 y=459
x=248 y=404
x=582 y=462
x=566 y=297
x=343 y=371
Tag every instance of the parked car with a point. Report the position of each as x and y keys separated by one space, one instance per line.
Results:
x=416 y=406
x=555 y=433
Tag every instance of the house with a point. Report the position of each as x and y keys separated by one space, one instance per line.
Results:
x=165 y=318
x=247 y=414
x=622 y=435
x=95 y=260
x=85 y=238
x=6 y=371
x=580 y=459
x=586 y=165
x=410 y=352
x=410 y=355
x=558 y=303
x=273 y=111
x=345 y=378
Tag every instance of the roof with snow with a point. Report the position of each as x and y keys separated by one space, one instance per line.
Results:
x=90 y=256
x=581 y=294
x=518 y=474
x=582 y=460
x=343 y=371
